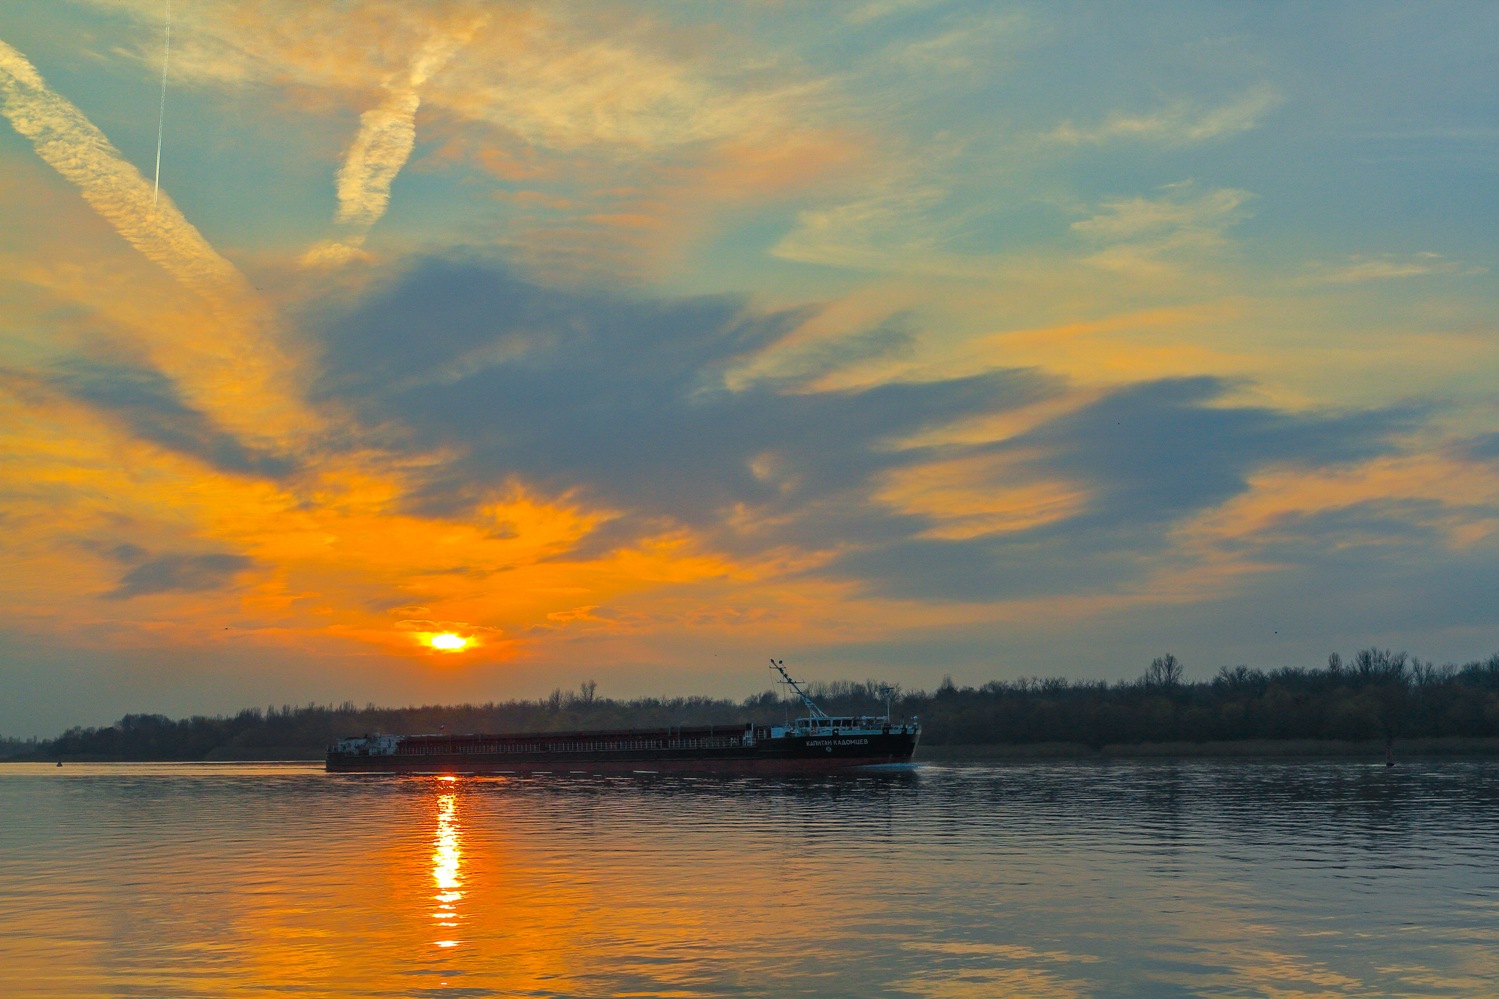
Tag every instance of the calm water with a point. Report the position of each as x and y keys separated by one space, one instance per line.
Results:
x=1024 y=880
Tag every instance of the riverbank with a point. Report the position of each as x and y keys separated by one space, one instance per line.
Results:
x=1450 y=746
x=1374 y=749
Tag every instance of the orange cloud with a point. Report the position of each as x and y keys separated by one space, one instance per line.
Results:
x=1464 y=497
x=332 y=555
x=974 y=496
x=765 y=166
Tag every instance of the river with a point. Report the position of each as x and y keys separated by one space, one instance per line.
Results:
x=1148 y=878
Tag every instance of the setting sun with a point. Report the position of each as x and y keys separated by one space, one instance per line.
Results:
x=448 y=642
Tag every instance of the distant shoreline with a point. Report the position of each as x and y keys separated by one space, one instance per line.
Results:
x=1242 y=748
x=1345 y=709
x=1439 y=746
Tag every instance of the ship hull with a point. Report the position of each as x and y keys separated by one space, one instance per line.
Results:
x=673 y=751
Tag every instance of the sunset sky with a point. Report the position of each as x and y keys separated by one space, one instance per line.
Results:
x=640 y=342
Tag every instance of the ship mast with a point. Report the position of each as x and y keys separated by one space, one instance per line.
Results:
x=780 y=667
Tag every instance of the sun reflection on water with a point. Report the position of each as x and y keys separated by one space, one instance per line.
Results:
x=446 y=875
x=953 y=884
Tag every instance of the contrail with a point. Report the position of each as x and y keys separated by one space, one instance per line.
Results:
x=73 y=146
x=387 y=134
x=161 y=120
x=231 y=365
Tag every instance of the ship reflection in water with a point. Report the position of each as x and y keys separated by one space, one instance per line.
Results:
x=1066 y=879
x=446 y=854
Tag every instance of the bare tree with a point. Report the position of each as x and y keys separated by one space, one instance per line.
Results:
x=1165 y=671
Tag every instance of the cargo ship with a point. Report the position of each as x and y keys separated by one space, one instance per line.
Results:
x=814 y=743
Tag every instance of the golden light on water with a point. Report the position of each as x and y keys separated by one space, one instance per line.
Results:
x=448 y=642
x=446 y=854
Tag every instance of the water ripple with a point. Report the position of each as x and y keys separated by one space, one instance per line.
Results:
x=1116 y=878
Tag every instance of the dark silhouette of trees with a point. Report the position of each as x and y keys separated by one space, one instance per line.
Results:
x=1375 y=695
x=1165 y=672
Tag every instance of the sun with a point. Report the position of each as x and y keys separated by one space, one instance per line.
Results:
x=448 y=642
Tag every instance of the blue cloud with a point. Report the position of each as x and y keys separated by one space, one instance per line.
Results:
x=180 y=573
x=623 y=400
x=1157 y=450
x=148 y=406
x=1484 y=447
x=1152 y=455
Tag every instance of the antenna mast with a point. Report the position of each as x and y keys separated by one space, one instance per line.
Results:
x=780 y=667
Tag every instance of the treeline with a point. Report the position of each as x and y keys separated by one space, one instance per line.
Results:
x=19 y=748
x=293 y=732
x=1375 y=695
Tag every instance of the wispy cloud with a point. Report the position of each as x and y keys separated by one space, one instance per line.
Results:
x=74 y=147
x=387 y=134
x=238 y=373
x=967 y=46
x=1452 y=498
x=1181 y=123
x=876 y=232
x=612 y=135
x=899 y=225
x=1155 y=237
x=536 y=72
x=1386 y=267
x=875 y=10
